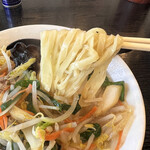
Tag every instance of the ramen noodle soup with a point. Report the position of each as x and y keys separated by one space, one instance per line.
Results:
x=70 y=103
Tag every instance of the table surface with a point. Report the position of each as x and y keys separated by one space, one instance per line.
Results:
x=116 y=17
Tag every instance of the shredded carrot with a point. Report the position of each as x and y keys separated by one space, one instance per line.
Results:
x=68 y=129
x=2 y=93
x=120 y=103
x=5 y=70
x=27 y=92
x=24 y=90
x=0 y=111
x=55 y=135
x=88 y=115
x=29 y=87
x=68 y=120
x=92 y=147
x=3 y=74
x=52 y=136
x=29 y=112
x=3 y=121
x=23 y=97
x=119 y=140
x=2 y=124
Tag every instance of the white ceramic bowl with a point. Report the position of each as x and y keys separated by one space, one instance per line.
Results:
x=118 y=70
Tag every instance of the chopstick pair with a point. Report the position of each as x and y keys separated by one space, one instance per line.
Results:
x=141 y=44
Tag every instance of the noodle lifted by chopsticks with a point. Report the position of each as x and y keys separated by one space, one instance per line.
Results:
x=69 y=56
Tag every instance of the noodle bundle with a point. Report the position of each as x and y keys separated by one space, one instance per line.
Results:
x=69 y=56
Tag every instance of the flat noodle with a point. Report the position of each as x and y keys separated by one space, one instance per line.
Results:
x=69 y=56
x=94 y=83
x=46 y=72
x=59 y=40
x=77 y=45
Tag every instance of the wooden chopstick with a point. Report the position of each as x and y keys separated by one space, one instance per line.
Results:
x=135 y=43
x=136 y=46
x=137 y=40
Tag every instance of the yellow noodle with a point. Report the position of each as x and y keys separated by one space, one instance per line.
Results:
x=69 y=56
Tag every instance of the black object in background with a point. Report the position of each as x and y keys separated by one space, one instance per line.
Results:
x=13 y=15
x=11 y=3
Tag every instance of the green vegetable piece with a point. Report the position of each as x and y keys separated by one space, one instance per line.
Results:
x=56 y=103
x=66 y=107
x=55 y=147
x=21 y=135
x=14 y=146
x=27 y=145
x=96 y=130
x=39 y=124
x=25 y=83
x=30 y=105
x=63 y=106
x=43 y=125
x=106 y=82
x=8 y=103
x=78 y=107
x=121 y=83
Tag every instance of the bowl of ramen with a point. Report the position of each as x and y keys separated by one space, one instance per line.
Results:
x=82 y=96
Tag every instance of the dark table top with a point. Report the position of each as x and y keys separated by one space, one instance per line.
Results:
x=115 y=16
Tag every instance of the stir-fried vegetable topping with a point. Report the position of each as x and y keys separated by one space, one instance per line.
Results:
x=63 y=106
x=30 y=104
x=43 y=125
x=55 y=135
x=20 y=69
x=61 y=118
x=92 y=129
x=121 y=83
x=25 y=83
x=38 y=131
x=8 y=103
